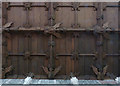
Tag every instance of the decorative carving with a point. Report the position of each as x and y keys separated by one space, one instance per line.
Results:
x=7 y=25
x=47 y=6
x=51 y=73
x=95 y=6
x=55 y=6
x=76 y=25
x=76 y=35
x=6 y=70
x=97 y=55
x=102 y=30
x=27 y=5
x=104 y=6
x=8 y=5
x=99 y=43
x=51 y=17
x=51 y=43
x=27 y=25
x=100 y=74
x=27 y=55
x=75 y=6
x=51 y=30
x=30 y=74
x=75 y=55
x=28 y=35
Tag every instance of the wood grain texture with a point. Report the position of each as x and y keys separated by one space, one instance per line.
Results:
x=37 y=42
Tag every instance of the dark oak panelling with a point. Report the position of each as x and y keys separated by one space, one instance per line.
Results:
x=65 y=50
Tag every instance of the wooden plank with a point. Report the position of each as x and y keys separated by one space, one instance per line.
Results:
x=41 y=59
x=16 y=16
x=34 y=61
x=21 y=49
x=81 y=46
x=39 y=43
x=112 y=14
x=9 y=40
x=86 y=16
x=73 y=62
x=113 y=47
x=38 y=16
x=15 y=50
x=60 y=48
x=3 y=50
x=26 y=48
x=4 y=13
x=65 y=16
x=68 y=42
